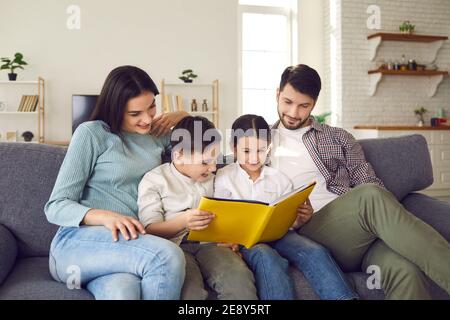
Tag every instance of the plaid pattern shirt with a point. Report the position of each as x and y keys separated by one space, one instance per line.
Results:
x=339 y=157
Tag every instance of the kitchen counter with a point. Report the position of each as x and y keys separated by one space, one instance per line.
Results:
x=398 y=127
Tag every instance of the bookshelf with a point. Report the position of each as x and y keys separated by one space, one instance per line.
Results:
x=179 y=96
x=12 y=120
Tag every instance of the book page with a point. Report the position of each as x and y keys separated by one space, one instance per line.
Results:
x=287 y=195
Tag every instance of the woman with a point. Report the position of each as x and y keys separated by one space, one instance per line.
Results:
x=94 y=199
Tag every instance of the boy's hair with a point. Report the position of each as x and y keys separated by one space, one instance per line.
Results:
x=195 y=134
x=303 y=79
x=250 y=125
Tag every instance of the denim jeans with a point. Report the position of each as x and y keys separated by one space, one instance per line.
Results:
x=316 y=264
x=273 y=281
x=149 y=268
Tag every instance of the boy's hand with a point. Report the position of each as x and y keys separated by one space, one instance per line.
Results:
x=233 y=246
x=304 y=214
x=198 y=220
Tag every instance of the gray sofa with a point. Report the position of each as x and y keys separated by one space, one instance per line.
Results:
x=28 y=172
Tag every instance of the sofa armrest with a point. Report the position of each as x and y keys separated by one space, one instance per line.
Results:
x=434 y=212
x=8 y=252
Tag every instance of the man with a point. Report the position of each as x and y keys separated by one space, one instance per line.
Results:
x=356 y=218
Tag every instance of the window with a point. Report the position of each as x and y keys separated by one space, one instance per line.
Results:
x=265 y=51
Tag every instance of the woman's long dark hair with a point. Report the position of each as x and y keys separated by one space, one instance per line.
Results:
x=121 y=85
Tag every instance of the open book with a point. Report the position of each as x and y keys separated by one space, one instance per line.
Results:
x=250 y=222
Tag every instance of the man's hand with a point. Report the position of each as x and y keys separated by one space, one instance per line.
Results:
x=162 y=123
x=304 y=214
x=198 y=220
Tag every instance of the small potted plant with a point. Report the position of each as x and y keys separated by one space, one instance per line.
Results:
x=419 y=113
x=407 y=28
x=12 y=64
x=322 y=118
x=188 y=76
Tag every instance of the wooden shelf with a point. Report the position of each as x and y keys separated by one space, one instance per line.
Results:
x=435 y=42
x=19 y=82
x=434 y=78
x=397 y=127
x=424 y=73
x=407 y=37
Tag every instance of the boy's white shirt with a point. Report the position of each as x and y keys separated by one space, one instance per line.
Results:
x=164 y=193
x=232 y=182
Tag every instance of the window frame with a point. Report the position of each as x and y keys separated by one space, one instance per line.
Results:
x=288 y=13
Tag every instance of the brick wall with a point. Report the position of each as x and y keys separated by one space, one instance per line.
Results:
x=396 y=97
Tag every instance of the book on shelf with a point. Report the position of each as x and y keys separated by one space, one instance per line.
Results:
x=167 y=103
x=28 y=103
x=250 y=222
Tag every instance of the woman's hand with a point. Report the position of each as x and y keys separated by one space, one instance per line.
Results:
x=198 y=220
x=162 y=123
x=128 y=226
x=304 y=214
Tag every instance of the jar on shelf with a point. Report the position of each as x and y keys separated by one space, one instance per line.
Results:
x=204 y=106
x=412 y=65
x=194 y=107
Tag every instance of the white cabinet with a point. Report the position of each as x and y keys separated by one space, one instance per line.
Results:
x=439 y=146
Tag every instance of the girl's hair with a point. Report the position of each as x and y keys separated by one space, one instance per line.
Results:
x=250 y=125
x=121 y=85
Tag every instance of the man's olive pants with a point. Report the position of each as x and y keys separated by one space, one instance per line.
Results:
x=369 y=227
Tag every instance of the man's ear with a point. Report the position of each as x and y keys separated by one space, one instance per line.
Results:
x=278 y=94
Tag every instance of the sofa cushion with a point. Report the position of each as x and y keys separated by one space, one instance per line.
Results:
x=403 y=164
x=434 y=212
x=8 y=252
x=31 y=280
x=28 y=172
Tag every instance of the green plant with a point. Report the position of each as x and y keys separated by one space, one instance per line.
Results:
x=420 y=112
x=187 y=76
x=12 y=64
x=321 y=118
x=407 y=27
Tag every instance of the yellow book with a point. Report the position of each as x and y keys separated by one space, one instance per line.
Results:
x=250 y=222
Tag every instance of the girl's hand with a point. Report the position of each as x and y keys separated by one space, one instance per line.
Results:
x=304 y=214
x=162 y=123
x=233 y=246
x=198 y=220
x=129 y=227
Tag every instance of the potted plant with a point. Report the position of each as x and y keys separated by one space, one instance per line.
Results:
x=12 y=64
x=322 y=118
x=419 y=113
x=188 y=76
x=407 y=28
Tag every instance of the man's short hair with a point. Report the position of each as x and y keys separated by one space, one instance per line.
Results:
x=303 y=79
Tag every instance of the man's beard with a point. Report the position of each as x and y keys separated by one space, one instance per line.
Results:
x=289 y=127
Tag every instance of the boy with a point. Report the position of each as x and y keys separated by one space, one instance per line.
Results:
x=167 y=198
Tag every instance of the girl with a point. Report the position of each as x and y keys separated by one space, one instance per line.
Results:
x=250 y=179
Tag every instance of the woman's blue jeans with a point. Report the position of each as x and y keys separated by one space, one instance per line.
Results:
x=149 y=268
x=269 y=262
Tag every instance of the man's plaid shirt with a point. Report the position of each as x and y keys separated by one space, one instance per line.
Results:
x=339 y=157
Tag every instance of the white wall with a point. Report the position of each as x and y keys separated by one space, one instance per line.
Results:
x=396 y=97
x=162 y=37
